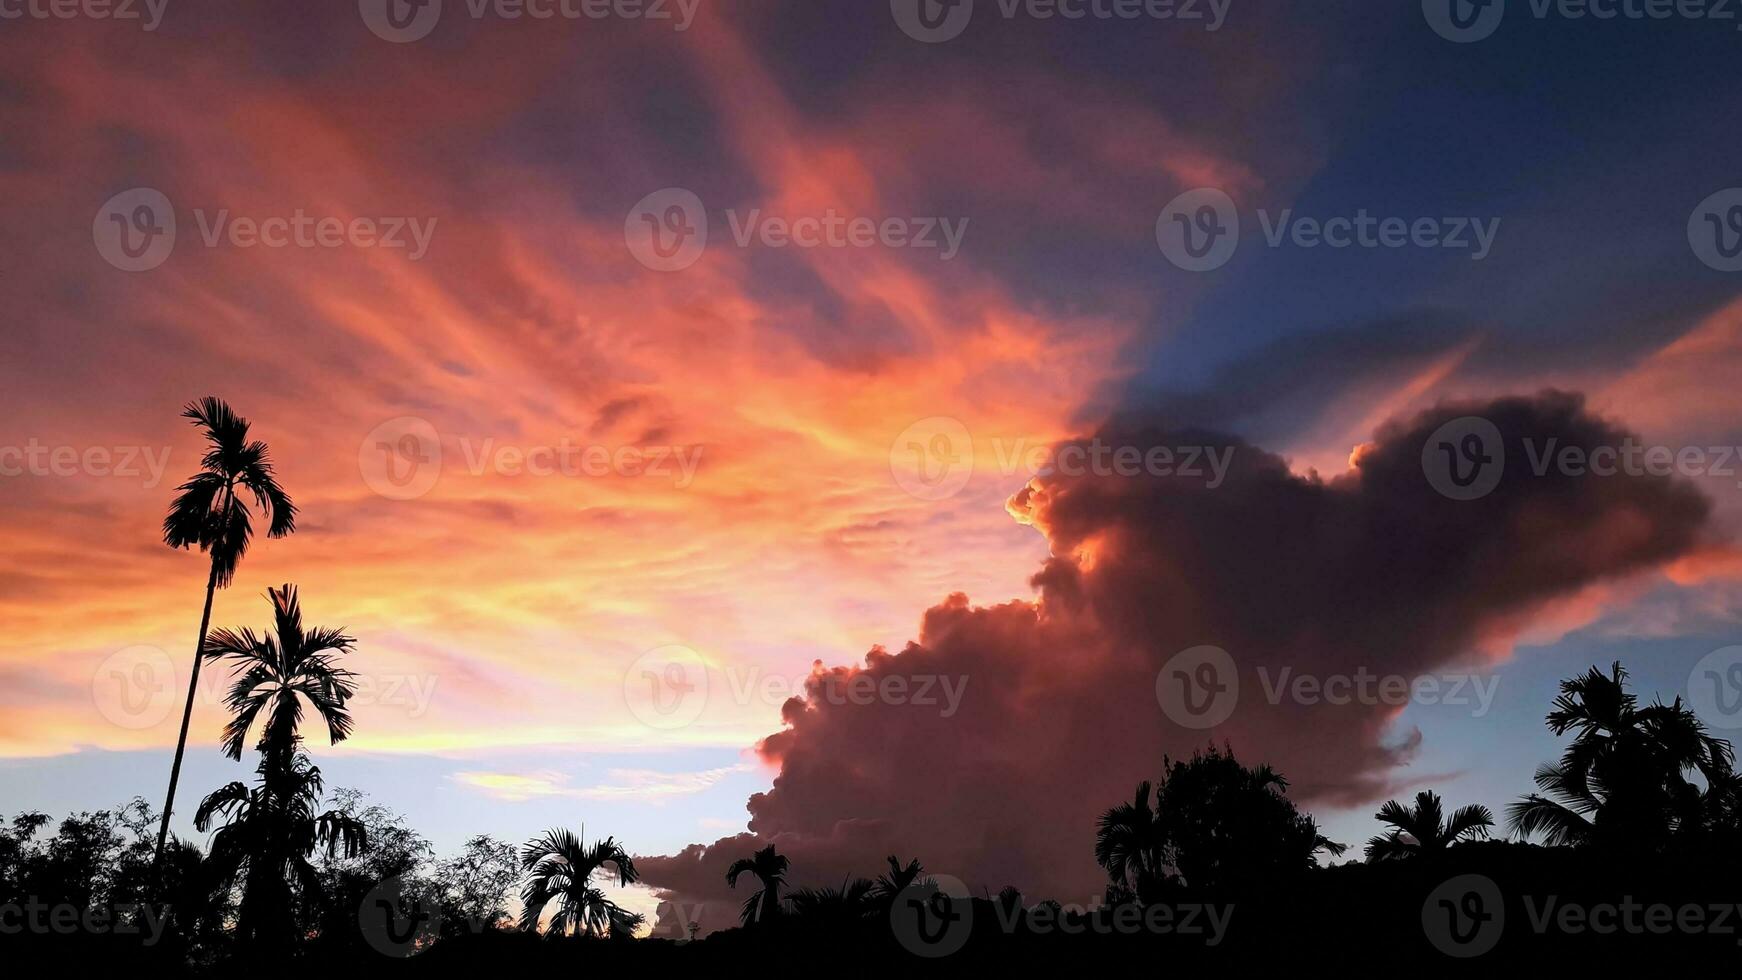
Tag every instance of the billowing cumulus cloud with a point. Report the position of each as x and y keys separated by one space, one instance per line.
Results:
x=1370 y=573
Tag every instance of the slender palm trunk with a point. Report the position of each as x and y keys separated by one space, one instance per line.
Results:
x=770 y=904
x=186 y=716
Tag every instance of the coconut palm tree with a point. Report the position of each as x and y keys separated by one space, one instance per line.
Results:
x=1624 y=782
x=211 y=512
x=560 y=868
x=270 y=831
x=769 y=869
x=1423 y=829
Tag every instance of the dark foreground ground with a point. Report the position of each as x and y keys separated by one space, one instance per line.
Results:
x=1486 y=905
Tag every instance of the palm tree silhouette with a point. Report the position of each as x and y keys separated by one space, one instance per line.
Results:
x=1623 y=782
x=209 y=512
x=1130 y=842
x=770 y=871
x=885 y=889
x=275 y=674
x=856 y=899
x=560 y=868
x=272 y=829
x=269 y=834
x=1423 y=829
x=1215 y=823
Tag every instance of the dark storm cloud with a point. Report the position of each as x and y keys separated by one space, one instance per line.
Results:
x=1374 y=571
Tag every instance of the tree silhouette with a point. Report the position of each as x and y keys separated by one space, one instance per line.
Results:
x=1130 y=842
x=769 y=868
x=392 y=862
x=270 y=831
x=1624 y=782
x=854 y=900
x=210 y=513
x=1216 y=825
x=560 y=868
x=1423 y=829
x=474 y=883
x=275 y=674
x=887 y=886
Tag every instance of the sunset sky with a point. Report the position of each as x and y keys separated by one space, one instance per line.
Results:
x=758 y=511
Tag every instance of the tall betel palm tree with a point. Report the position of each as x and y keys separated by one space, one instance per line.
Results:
x=275 y=674
x=1423 y=828
x=769 y=870
x=560 y=868
x=210 y=512
x=272 y=829
x=269 y=834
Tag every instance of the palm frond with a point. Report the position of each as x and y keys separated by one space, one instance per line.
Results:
x=1558 y=824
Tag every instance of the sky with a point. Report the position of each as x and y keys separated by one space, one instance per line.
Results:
x=598 y=491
